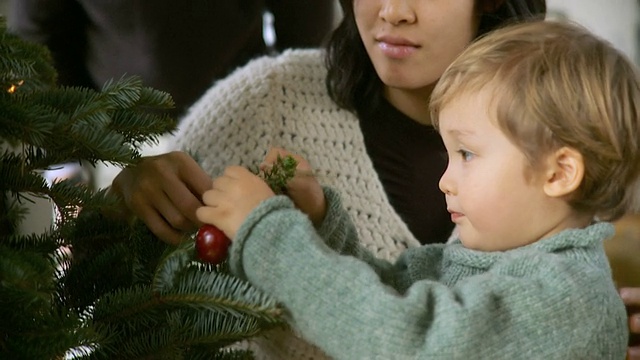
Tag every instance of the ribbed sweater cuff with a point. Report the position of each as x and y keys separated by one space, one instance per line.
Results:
x=334 y=211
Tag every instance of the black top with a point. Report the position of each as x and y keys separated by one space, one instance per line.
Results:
x=177 y=46
x=409 y=158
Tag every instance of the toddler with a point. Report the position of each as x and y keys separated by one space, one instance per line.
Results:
x=541 y=126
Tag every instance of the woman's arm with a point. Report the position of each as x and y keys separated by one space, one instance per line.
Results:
x=231 y=123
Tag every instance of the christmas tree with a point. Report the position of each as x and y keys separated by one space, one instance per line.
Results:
x=95 y=285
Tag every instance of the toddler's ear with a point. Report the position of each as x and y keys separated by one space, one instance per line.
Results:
x=564 y=172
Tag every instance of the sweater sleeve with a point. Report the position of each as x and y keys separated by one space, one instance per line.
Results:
x=338 y=231
x=540 y=309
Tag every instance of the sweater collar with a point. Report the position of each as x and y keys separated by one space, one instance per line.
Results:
x=591 y=236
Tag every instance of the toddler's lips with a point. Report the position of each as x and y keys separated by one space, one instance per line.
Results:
x=455 y=216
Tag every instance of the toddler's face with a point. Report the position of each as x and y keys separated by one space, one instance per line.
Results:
x=495 y=206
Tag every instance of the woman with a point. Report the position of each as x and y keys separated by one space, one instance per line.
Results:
x=361 y=119
x=380 y=99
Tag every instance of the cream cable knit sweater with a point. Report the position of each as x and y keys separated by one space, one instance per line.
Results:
x=282 y=101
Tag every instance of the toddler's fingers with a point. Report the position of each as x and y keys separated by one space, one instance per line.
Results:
x=206 y=214
x=210 y=197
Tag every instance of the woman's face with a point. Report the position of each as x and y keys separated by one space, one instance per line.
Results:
x=411 y=42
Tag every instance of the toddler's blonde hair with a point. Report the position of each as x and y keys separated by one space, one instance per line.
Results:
x=555 y=84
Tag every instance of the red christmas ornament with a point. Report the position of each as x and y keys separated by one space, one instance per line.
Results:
x=212 y=245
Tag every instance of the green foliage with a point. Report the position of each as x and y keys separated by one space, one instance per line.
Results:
x=283 y=170
x=98 y=285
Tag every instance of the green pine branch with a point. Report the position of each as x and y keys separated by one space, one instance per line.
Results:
x=97 y=285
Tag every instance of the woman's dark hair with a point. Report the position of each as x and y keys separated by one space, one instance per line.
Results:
x=351 y=79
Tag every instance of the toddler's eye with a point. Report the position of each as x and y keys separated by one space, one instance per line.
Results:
x=466 y=155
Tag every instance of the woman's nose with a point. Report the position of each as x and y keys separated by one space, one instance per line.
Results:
x=397 y=12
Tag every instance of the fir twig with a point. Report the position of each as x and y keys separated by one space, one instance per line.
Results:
x=278 y=175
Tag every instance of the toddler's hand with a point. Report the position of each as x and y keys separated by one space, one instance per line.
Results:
x=233 y=196
x=304 y=189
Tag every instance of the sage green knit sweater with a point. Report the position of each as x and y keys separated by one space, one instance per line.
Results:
x=553 y=299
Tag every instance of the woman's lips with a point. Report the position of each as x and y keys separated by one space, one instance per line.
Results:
x=396 y=48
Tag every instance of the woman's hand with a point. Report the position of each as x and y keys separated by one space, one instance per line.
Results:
x=304 y=189
x=631 y=298
x=234 y=195
x=164 y=191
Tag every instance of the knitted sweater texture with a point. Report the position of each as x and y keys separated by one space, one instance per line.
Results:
x=553 y=299
x=282 y=101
